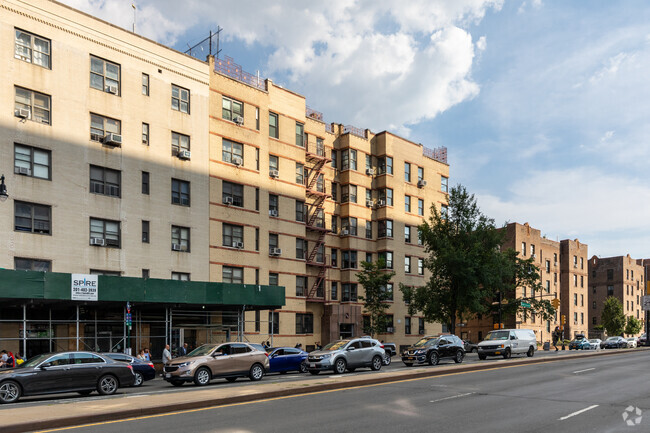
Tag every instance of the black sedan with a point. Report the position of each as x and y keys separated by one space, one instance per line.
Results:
x=142 y=370
x=52 y=373
x=615 y=343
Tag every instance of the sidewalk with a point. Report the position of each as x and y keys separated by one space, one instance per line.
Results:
x=15 y=418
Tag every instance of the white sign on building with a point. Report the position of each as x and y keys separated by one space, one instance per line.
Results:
x=84 y=287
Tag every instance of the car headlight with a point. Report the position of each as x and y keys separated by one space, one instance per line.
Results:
x=419 y=352
x=325 y=356
x=185 y=364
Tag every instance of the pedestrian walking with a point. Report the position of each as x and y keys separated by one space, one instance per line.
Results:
x=556 y=336
x=166 y=355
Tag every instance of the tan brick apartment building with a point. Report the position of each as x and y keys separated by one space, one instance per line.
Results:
x=124 y=157
x=559 y=278
x=621 y=277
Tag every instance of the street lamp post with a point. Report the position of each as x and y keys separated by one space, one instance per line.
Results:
x=3 y=189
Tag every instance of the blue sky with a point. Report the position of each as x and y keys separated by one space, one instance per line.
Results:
x=543 y=105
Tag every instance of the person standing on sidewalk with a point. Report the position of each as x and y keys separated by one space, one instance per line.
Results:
x=556 y=336
x=166 y=355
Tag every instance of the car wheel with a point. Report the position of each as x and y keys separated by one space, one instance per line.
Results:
x=376 y=363
x=531 y=352
x=86 y=392
x=107 y=385
x=482 y=357
x=459 y=357
x=507 y=354
x=256 y=373
x=9 y=392
x=314 y=372
x=408 y=364
x=303 y=367
x=231 y=379
x=138 y=379
x=433 y=358
x=202 y=376
x=177 y=382
x=340 y=366
x=387 y=359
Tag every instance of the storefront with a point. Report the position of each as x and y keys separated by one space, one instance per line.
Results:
x=50 y=312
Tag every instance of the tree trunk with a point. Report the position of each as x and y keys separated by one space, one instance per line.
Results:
x=452 y=325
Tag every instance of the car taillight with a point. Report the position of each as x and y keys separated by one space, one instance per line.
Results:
x=381 y=345
x=151 y=365
x=130 y=367
x=267 y=355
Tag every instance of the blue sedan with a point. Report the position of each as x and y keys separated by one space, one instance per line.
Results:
x=142 y=370
x=283 y=359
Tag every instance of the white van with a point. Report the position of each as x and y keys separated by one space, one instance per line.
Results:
x=507 y=342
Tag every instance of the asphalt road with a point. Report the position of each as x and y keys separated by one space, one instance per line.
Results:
x=158 y=385
x=581 y=395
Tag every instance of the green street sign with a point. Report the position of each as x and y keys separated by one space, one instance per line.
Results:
x=525 y=304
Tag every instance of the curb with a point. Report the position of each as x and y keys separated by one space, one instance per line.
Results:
x=215 y=402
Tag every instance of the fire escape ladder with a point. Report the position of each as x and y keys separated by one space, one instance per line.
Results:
x=317 y=282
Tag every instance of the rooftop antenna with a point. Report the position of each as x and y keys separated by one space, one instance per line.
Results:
x=193 y=49
x=134 y=8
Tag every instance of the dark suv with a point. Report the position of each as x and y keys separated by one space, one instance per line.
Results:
x=431 y=348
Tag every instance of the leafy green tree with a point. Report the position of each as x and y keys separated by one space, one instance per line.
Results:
x=374 y=280
x=613 y=317
x=633 y=325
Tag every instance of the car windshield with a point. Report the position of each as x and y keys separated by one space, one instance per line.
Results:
x=497 y=335
x=204 y=350
x=612 y=338
x=631 y=339
x=336 y=345
x=35 y=360
x=426 y=340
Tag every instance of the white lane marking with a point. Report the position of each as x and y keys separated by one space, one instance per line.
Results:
x=453 y=396
x=586 y=369
x=578 y=412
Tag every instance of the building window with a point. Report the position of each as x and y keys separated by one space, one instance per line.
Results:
x=301 y=249
x=104 y=75
x=444 y=211
x=421 y=266
x=107 y=230
x=230 y=108
x=32 y=105
x=349 y=159
x=407 y=325
x=145 y=133
x=273 y=279
x=547 y=266
x=420 y=174
x=407 y=172
x=21 y=264
x=180 y=142
x=385 y=229
x=32 y=48
x=368 y=162
x=233 y=194
x=257 y=118
x=334 y=224
x=575 y=281
x=34 y=218
x=334 y=159
x=407 y=203
x=145 y=182
x=548 y=286
x=389 y=165
x=145 y=232
x=145 y=84
x=387 y=256
x=421 y=208
x=300 y=211
x=349 y=194
x=582 y=281
x=334 y=192
x=180 y=192
x=334 y=257
x=32 y=161
x=582 y=263
x=180 y=99
x=274 y=322
x=101 y=126
x=386 y=197
x=180 y=239
x=232 y=152
x=273 y=240
x=368 y=229
x=300 y=173
x=301 y=285
x=444 y=184
x=232 y=235
x=349 y=293
x=407 y=234
x=300 y=134
x=407 y=264
x=304 y=323
x=257 y=239
x=231 y=274
x=274 y=163
x=349 y=259
x=105 y=181
x=335 y=291
x=610 y=291
x=273 y=125
x=610 y=274
x=421 y=328
x=274 y=208
x=257 y=159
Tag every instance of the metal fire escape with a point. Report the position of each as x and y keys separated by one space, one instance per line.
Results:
x=316 y=230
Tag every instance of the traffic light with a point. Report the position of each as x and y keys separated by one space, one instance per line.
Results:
x=555 y=303
x=564 y=319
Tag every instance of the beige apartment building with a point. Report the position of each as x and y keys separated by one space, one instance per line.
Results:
x=559 y=278
x=621 y=277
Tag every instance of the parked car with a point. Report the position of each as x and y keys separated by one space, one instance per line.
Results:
x=283 y=359
x=210 y=361
x=579 y=342
x=470 y=347
x=632 y=342
x=642 y=340
x=506 y=342
x=431 y=349
x=51 y=373
x=342 y=355
x=390 y=350
x=142 y=370
x=615 y=342
x=595 y=343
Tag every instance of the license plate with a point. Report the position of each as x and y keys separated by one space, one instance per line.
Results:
x=312 y=365
x=409 y=358
x=168 y=375
x=497 y=353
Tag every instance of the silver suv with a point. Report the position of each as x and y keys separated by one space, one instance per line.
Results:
x=347 y=355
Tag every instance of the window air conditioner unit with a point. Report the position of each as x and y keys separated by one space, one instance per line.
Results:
x=345 y=232
x=112 y=89
x=380 y=203
x=422 y=183
x=113 y=139
x=176 y=247
x=274 y=173
x=370 y=171
x=575 y=265
x=533 y=255
x=227 y=200
x=390 y=330
x=23 y=113
x=237 y=160
x=184 y=154
x=238 y=120
x=554 y=263
x=145 y=139
x=97 y=241
x=369 y=203
x=273 y=213
x=275 y=251
x=23 y=170
x=238 y=245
